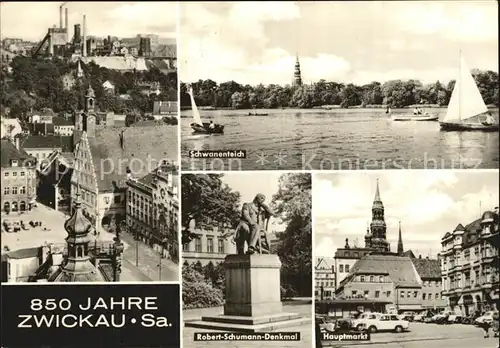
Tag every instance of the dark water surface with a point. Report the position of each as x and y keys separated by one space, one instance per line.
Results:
x=355 y=139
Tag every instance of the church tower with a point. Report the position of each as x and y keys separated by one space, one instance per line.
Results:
x=89 y=99
x=400 y=242
x=78 y=266
x=297 y=76
x=378 y=227
x=89 y=113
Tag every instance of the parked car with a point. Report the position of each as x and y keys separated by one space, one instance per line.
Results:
x=486 y=318
x=408 y=316
x=418 y=318
x=381 y=322
x=326 y=323
x=442 y=319
x=429 y=320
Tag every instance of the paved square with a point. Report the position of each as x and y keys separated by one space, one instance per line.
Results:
x=196 y=314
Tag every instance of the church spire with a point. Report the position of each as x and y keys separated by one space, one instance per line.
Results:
x=378 y=227
x=400 y=242
x=297 y=76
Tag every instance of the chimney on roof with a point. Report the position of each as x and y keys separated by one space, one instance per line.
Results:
x=66 y=24
x=17 y=143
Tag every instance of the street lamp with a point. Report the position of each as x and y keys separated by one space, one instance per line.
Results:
x=163 y=242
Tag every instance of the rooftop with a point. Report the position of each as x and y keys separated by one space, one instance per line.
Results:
x=427 y=268
x=24 y=253
x=47 y=141
x=400 y=269
x=61 y=121
x=10 y=152
x=139 y=149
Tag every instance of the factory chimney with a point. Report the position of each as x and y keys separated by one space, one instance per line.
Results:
x=66 y=23
x=84 y=29
x=61 y=17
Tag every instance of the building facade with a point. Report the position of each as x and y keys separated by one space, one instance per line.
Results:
x=324 y=277
x=152 y=210
x=19 y=182
x=210 y=245
x=469 y=265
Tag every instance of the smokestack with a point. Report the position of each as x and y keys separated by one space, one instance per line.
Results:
x=60 y=17
x=84 y=53
x=66 y=23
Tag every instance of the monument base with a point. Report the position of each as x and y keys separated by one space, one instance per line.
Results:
x=235 y=323
x=253 y=302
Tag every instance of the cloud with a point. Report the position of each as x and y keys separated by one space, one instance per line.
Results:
x=325 y=247
x=122 y=19
x=351 y=42
x=465 y=22
x=428 y=203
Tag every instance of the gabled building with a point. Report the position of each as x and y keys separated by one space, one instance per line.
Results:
x=106 y=157
x=429 y=271
x=324 y=274
x=469 y=265
x=19 y=181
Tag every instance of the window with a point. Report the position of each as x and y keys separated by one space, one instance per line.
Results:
x=341 y=268
x=210 y=245
x=372 y=279
x=346 y=268
x=402 y=294
x=366 y=293
x=354 y=293
x=429 y=296
x=14 y=190
x=22 y=174
x=408 y=294
x=6 y=174
x=415 y=294
x=22 y=190
x=197 y=245
x=185 y=247
x=6 y=190
x=437 y=295
x=118 y=199
x=381 y=279
x=377 y=294
x=388 y=294
x=362 y=279
x=220 y=246
x=14 y=174
x=423 y=296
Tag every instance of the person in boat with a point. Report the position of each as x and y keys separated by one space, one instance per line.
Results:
x=211 y=125
x=489 y=120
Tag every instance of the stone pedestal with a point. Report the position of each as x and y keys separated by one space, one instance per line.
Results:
x=252 y=285
x=253 y=297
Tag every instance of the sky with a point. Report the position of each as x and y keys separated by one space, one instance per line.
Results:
x=350 y=42
x=248 y=184
x=428 y=204
x=30 y=20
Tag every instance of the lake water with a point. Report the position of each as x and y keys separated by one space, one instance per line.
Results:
x=354 y=139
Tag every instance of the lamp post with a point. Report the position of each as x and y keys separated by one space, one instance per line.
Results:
x=163 y=241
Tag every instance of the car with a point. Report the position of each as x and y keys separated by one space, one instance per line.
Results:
x=374 y=322
x=418 y=317
x=486 y=318
x=408 y=316
x=429 y=320
x=326 y=323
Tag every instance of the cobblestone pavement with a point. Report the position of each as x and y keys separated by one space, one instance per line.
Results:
x=130 y=273
x=34 y=237
x=196 y=314
x=149 y=260
x=426 y=335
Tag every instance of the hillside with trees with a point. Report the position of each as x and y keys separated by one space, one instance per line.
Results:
x=395 y=93
x=32 y=83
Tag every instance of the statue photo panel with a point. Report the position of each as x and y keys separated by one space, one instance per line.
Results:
x=246 y=252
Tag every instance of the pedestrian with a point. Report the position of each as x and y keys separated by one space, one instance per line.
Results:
x=486 y=328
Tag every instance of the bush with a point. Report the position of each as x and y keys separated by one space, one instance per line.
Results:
x=197 y=292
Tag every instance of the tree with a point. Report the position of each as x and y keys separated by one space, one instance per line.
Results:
x=293 y=204
x=207 y=201
x=196 y=291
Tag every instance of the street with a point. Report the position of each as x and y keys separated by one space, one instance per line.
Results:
x=51 y=219
x=196 y=314
x=428 y=336
x=149 y=260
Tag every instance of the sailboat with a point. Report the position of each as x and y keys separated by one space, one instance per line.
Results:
x=466 y=109
x=198 y=126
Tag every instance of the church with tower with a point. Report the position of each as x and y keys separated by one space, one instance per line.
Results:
x=297 y=75
x=375 y=273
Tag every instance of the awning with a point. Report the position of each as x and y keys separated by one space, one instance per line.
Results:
x=410 y=307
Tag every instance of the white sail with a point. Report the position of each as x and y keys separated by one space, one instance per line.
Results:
x=196 y=113
x=466 y=100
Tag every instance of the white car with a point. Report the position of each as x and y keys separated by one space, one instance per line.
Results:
x=485 y=318
x=381 y=322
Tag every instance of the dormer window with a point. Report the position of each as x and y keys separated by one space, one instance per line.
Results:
x=14 y=163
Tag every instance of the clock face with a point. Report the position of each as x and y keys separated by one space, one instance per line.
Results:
x=162 y=192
